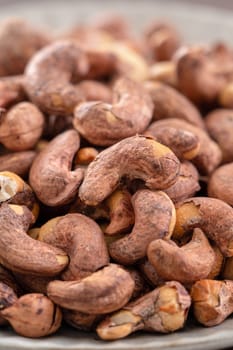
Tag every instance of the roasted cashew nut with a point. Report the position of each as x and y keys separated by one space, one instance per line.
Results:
x=163 y=310
x=19 y=252
x=11 y=90
x=220 y=184
x=82 y=239
x=212 y=301
x=102 y=292
x=33 y=315
x=191 y=262
x=148 y=207
x=136 y=157
x=213 y=216
x=50 y=176
x=209 y=155
x=105 y=124
x=17 y=162
x=51 y=75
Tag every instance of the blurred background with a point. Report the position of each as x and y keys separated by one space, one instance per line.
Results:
x=199 y=20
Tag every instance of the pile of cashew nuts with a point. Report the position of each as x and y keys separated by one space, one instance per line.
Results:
x=116 y=179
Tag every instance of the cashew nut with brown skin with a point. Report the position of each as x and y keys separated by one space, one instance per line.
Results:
x=11 y=90
x=105 y=124
x=102 y=292
x=163 y=310
x=219 y=124
x=213 y=216
x=15 y=245
x=33 y=315
x=136 y=157
x=19 y=40
x=212 y=301
x=148 y=207
x=169 y=103
x=21 y=127
x=209 y=155
x=191 y=262
x=83 y=241
x=51 y=176
x=149 y=273
x=220 y=184
x=17 y=162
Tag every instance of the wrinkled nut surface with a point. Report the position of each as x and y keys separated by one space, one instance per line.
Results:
x=83 y=241
x=104 y=291
x=186 y=184
x=163 y=310
x=15 y=245
x=21 y=127
x=213 y=216
x=148 y=207
x=170 y=103
x=51 y=176
x=11 y=90
x=191 y=262
x=220 y=184
x=209 y=155
x=212 y=301
x=219 y=124
x=33 y=315
x=137 y=157
x=105 y=124
x=51 y=76
x=19 y=41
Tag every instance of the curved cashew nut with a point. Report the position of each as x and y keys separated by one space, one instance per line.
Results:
x=49 y=76
x=50 y=175
x=21 y=127
x=221 y=184
x=102 y=292
x=169 y=103
x=186 y=184
x=191 y=262
x=33 y=315
x=81 y=320
x=202 y=73
x=136 y=157
x=183 y=143
x=163 y=310
x=82 y=239
x=148 y=207
x=209 y=154
x=212 y=301
x=150 y=273
x=20 y=252
x=213 y=216
x=105 y=124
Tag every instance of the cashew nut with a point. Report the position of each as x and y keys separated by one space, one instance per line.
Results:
x=163 y=310
x=50 y=176
x=137 y=157
x=148 y=206
x=21 y=127
x=213 y=216
x=186 y=264
x=11 y=90
x=83 y=241
x=15 y=245
x=33 y=315
x=105 y=124
x=209 y=155
x=221 y=184
x=104 y=291
x=17 y=162
x=212 y=301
